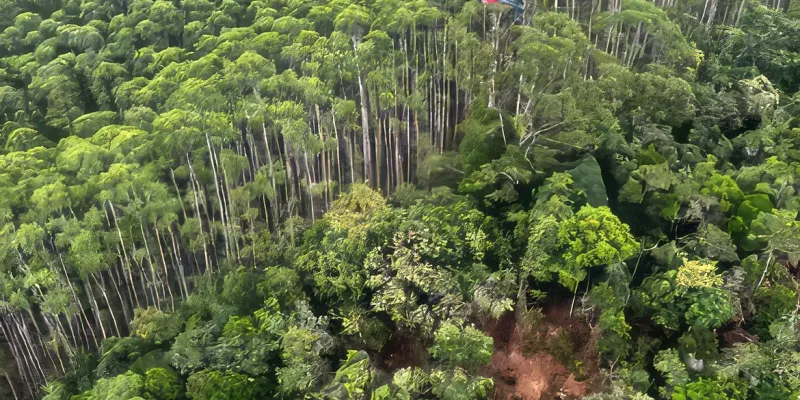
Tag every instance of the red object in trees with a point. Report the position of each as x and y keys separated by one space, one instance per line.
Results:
x=515 y=4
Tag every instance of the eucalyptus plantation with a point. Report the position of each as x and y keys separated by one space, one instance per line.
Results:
x=397 y=199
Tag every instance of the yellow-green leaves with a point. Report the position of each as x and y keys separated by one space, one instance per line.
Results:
x=348 y=211
x=698 y=274
x=593 y=237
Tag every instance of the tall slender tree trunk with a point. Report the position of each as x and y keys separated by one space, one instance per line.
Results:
x=273 y=207
x=117 y=285
x=291 y=174
x=365 y=139
x=444 y=96
x=78 y=301
x=93 y=304
x=338 y=150
x=195 y=189
x=219 y=198
x=177 y=193
x=309 y=185
x=739 y=13
x=378 y=149
x=496 y=47
x=178 y=260
x=23 y=365
x=234 y=238
x=634 y=49
x=108 y=303
x=150 y=263
x=324 y=171
x=712 y=12
x=39 y=334
x=166 y=272
x=147 y=285
x=27 y=345
x=11 y=385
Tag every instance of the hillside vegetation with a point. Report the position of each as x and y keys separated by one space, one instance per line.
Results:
x=364 y=199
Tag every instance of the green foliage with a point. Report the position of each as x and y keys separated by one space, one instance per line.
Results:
x=486 y=135
x=705 y=389
x=692 y=292
x=466 y=347
x=283 y=284
x=161 y=384
x=239 y=289
x=353 y=378
x=188 y=350
x=348 y=211
x=587 y=179
x=119 y=353
x=301 y=353
x=222 y=179
x=504 y=174
x=209 y=384
x=772 y=303
x=589 y=238
x=125 y=386
x=154 y=324
x=455 y=384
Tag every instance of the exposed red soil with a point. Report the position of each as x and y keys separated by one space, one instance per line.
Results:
x=523 y=367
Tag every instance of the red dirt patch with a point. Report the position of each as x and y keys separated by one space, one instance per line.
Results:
x=522 y=365
x=525 y=378
x=574 y=389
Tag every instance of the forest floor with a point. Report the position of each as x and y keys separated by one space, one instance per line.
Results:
x=530 y=365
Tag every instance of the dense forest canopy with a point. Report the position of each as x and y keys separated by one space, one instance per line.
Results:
x=397 y=199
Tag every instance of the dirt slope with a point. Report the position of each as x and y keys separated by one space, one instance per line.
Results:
x=526 y=366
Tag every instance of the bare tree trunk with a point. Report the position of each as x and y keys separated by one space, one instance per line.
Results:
x=123 y=304
x=219 y=198
x=39 y=334
x=275 y=206
x=445 y=93
x=364 y=120
x=147 y=285
x=712 y=12
x=339 y=171
x=349 y=139
x=398 y=156
x=108 y=303
x=378 y=149
x=291 y=173
x=308 y=185
x=739 y=13
x=11 y=385
x=406 y=108
x=181 y=273
x=324 y=159
x=166 y=272
x=496 y=48
x=78 y=301
x=23 y=365
x=152 y=268
x=27 y=346
x=177 y=192
x=635 y=47
x=195 y=190
x=234 y=239
x=725 y=14
x=93 y=304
